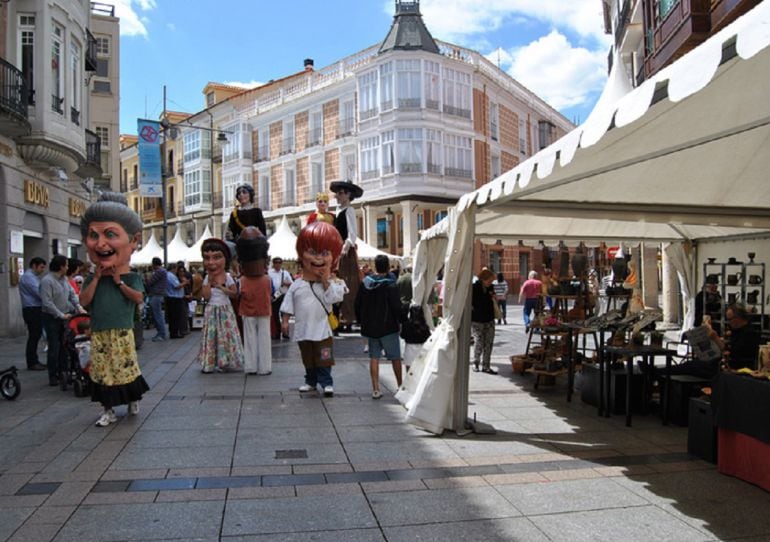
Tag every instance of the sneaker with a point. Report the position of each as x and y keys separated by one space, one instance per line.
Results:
x=328 y=391
x=158 y=338
x=306 y=387
x=476 y=368
x=106 y=419
x=207 y=370
x=376 y=394
x=489 y=370
x=133 y=408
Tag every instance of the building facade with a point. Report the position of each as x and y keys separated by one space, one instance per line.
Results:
x=48 y=154
x=414 y=121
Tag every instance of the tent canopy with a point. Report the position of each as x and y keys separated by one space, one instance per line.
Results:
x=150 y=250
x=283 y=242
x=193 y=254
x=365 y=251
x=177 y=249
x=683 y=156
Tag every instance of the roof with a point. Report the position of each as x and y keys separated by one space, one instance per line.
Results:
x=408 y=31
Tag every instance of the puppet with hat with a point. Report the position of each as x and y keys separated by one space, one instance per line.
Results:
x=221 y=348
x=310 y=299
x=345 y=222
x=322 y=210
x=256 y=293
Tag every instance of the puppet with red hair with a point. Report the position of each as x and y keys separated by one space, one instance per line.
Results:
x=310 y=300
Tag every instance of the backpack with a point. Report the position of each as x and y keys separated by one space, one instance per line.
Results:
x=415 y=329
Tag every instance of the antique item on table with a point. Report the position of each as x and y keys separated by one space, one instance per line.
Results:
x=733 y=280
x=751 y=256
x=732 y=260
x=755 y=279
x=752 y=297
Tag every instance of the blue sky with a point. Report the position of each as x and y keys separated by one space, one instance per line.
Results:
x=556 y=48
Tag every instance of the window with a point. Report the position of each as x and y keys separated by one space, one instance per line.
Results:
x=264 y=191
x=495 y=166
x=347 y=118
x=494 y=121
x=57 y=77
x=410 y=150
x=26 y=60
x=432 y=84
x=408 y=83
x=664 y=6
x=420 y=221
x=103 y=45
x=229 y=183
x=382 y=233
x=104 y=162
x=102 y=67
x=457 y=93
x=522 y=136
x=263 y=151
x=288 y=137
x=440 y=215
x=433 y=148
x=231 y=151
x=370 y=166
x=386 y=86
x=197 y=187
x=388 y=152
x=315 y=128
x=367 y=93
x=458 y=156
x=75 y=81
x=546 y=132
x=192 y=146
x=316 y=176
x=349 y=169
x=210 y=99
x=104 y=135
x=102 y=86
x=289 y=186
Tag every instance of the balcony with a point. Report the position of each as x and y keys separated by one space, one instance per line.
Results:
x=314 y=137
x=409 y=103
x=90 y=52
x=57 y=104
x=457 y=172
x=434 y=169
x=457 y=111
x=686 y=25
x=14 y=97
x=368 y=114
x=410 y=167
x=92 y=167
x=346 y=127
x=133 y=184
x=431 y=104
x=263 y=153
x=153 y=214
x=366 y=175
x=287 y=145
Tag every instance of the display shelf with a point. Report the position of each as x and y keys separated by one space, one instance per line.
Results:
x=739 y=282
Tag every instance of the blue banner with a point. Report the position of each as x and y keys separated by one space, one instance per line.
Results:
x=150 y=177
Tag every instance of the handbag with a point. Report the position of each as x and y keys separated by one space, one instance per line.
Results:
x=334 y=323
x=496 y=308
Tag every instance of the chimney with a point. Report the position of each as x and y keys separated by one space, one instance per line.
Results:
x=308 y=64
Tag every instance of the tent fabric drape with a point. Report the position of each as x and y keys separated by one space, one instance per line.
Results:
x=683 y=264
x=428 y=395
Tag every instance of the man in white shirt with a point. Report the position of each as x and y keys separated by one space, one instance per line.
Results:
x=281 y=280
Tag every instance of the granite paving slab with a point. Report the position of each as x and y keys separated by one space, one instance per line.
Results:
x=313 y=419
x=350 y=535
x=248 y=453
x=366 y=452
x=170 y=458
x=298 y=514
x=440 y=505
x=13 y=518
x=285 y=435
x=181 y=438
x=488 y=530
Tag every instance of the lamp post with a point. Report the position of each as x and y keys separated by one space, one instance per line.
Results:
x=389 y=215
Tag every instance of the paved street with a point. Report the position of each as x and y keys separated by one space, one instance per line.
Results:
x=236 y=458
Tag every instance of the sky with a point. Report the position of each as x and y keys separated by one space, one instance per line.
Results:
x=556 y=48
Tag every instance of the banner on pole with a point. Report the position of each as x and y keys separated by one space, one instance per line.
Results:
x=150 y=177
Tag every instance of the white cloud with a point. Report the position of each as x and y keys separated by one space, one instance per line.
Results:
x=561 y=74
x=131 y=22
x=241 y=84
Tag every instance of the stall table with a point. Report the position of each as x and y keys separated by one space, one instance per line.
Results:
x=742 y=407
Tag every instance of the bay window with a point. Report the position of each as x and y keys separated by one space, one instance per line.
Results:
x=408 y=83
x=457 y=93
x=433 y=151
x=367 y=92
x=458 y=156
x=386 y=86
x=432 y=84
x=370 y=166
x=57 y=76
x=410 y=150
x=388 y=152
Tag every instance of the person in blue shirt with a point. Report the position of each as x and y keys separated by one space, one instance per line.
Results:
x=31 y=310
x=156 y=287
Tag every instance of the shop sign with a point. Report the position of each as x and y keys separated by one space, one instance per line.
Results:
x=77 y=207
x=611 y=251
x=35 y=193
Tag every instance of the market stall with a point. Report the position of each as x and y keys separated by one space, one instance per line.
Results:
x=681 y=158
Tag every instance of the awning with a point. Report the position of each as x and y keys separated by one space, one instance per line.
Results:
x=177 y=249
x=150 y=250
x=283 y=242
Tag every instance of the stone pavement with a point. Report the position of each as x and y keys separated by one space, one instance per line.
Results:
x=237 y=458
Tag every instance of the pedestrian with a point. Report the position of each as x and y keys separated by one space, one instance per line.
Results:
x=157 y=285
x=483 y=321
x=74 y=268
x=59 y=304
x=347 y=226
x=111 y=231
x=530 y=292
x=185 y=279
x=310 y=299
x=256 y=291
x=281 y=280
x=221 y=346
x=378 y=311
x=176 y=309
x=500 y=286
x=404 y=283
x=31 y=310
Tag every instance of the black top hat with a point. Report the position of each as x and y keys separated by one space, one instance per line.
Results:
x=354 y=190
x=712 y=279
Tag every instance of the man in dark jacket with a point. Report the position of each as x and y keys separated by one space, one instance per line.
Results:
x=377 y=308
x=156 y=290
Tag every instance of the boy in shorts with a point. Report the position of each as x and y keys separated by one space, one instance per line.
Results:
x=378 y=310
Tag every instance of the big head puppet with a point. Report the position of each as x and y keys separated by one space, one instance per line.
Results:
x=318 y=248
x=111 y=231
x=252 y=248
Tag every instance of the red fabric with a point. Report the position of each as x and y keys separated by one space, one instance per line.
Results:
x=531 y=288
x=255 y=296
x=744 y=457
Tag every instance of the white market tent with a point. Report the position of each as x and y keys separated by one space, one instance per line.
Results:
x=682 y=157
x=365 y=251
x=283 y=242
x=193 y=254
x=177 y=249
x=150 y=250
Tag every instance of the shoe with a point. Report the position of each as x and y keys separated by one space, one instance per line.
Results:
x=475 y=368
x=207 y=370
x=285 y=336
x=133 y=408
x=53 y=381
x=489 y=370
x=328 y=391
x=158 y=339
x=37 y=367
x=106 y=419
x=306 y=387
x=252 y=373
x=505 y=322
x=376 y=394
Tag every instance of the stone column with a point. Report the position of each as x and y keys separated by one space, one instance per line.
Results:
x=410 y=227
x=370 y=225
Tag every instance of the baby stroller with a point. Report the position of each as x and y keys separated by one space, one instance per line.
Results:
x=75 y=372
x=9 y=383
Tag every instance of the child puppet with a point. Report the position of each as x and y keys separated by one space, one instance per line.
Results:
x=321 y=213
x=111 y=231
x=221 y=346
x=254 y=307
x=310 y=300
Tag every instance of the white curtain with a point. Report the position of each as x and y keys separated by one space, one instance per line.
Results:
x=428 y=394
x=428 y=259
x=682 y=261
